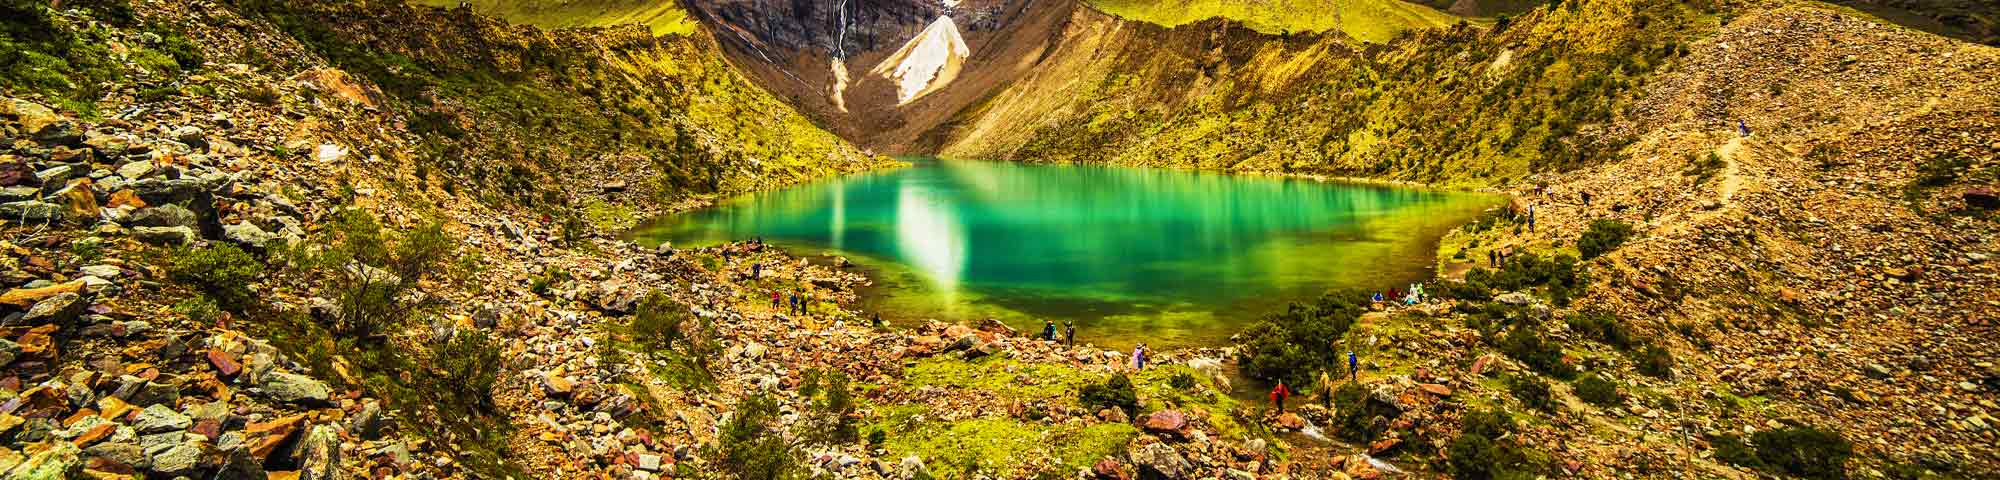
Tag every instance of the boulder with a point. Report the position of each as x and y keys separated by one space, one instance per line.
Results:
x=1166 y=421
x=912 y=468
x=160 y=418
x=162 y=216
x=1107 y=468
x=1291 y=421
x=8 y=352
x=60 y=309
x=1514 y=298
x=56 y=177
x=168 y=236
x=367 y=422
x=1157 y=460
x=32 y=116
x=136 y=170
x=122 y=452
x=179 y=459
x=319 y=454
x=295 y=388
x=248 y=234
x=78 y=201
x=31 y=211
x=50 y=461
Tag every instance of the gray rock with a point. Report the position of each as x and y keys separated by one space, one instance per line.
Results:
x=295 y=388
x=121 y=452
x=103 y=271
x=61 y=309
x=912 y=468
x=1514 y=298
x=649 y=462
x=366 y=423
x=178 y=459
x=159 y=418
x=169 y=236
x=31 y=211
x=56 y=177
x=16 y=194
x=159 y=191
x=248 y=234
x=136 y=170
x=319 y=454
x=162 y=216
x=1157 y=460
x=8 y=352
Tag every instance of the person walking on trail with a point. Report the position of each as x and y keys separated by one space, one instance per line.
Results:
x=756 y=270
x=1743 y=128
x=876 y=320
x=794 y=306
x=1139 y=357
x=1069 y=333
x=775 y=299
x=1279 y=394
x=1353 y=367
x=1325 y=390
x=1531 y=217
x=1048 y=330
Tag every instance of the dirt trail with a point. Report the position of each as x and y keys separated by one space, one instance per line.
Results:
x=1730 y=180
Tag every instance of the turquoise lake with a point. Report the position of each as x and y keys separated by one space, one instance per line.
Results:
x=1170 y=258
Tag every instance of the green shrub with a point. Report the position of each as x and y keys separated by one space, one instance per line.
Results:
x=1526 y=343
x=1489 y=422
x=1289 y=346
x=376 y=277
x=830 y=407
x=1603 y=236
x=1602 y=326
x=1733 y=450
x=1531 y=391
x=1114 y=392
x=1598 y=391
x=1559 y=276
x=1655 y=361
x=1355 y=412
x=220 y=270
x=658 y=320
x=1807 y=452
x=1705 y=169
x=199 y=309
x=751 y=448
x=1182 y=381
x=468 y=363
x=1465 y=290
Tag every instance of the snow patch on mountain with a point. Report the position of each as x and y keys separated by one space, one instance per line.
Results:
x=927 y=63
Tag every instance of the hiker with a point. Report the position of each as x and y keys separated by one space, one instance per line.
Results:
x=1353 y=367
x=876 y=320
x=1048 y=330
x=1531 y=217
x=1139 y=357
x=1493 y=258
x=794 y=309
x=756 y=270
x=1069 y=333
x=1586 y=199
x=1278 y=395
x=1325 y=390
x=775 y=300
x=1378 y=297
x=1743 y=127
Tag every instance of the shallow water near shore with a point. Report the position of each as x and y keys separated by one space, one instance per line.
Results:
x=1170 y=258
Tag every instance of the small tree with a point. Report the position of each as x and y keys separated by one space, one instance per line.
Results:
x=1598 y=391
x=830 y=407
x=469 y=363
x=658 y=320
x=1114 y=392
x=751 y=449
x=375 y=276
x=220 y=270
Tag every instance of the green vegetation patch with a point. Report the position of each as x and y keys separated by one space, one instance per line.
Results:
x=1369 y=20
x=664 y=18
x=1007 y=448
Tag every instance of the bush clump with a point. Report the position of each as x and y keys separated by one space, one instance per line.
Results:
x=1355 y=412
x=1559 y=276
x=1526 y=343
x=220 y=270
x=658 y=321
x=1289 y=346
x=830 y=408
x=1114 y=392
x=468 y=363
x=1806 y=452
x=376 y=276
x=1603 y=236
x=1655 y=361
x=1597 y=391
x=1480 y=452
x=1531 y=391
x=1602 y=326
x=751 y=448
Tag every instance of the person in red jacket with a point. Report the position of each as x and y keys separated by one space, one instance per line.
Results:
x=1278 y=395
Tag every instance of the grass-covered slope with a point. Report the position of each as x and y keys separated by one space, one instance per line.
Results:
x=1369 y=20
x=664 y=17
x=1461 y=105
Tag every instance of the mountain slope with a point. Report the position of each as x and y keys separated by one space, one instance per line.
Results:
x=662 y=17
x=1366 y=20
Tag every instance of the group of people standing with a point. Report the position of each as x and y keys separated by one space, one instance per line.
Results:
x=1068 y=336
x=1282 y=392
x=1414 y=295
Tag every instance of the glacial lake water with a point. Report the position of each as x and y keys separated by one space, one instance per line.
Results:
x=1170 y=258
